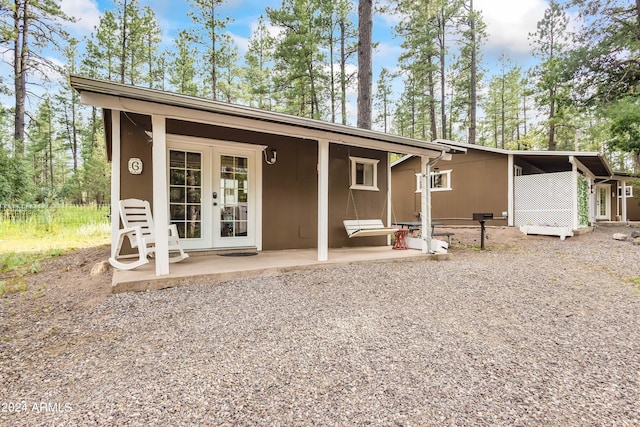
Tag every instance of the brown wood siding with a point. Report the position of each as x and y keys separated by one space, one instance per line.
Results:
x=369 y=204
x=289 y=196
x=289 y=187
x=633 y=203
x=135 y=143
x=479 y=182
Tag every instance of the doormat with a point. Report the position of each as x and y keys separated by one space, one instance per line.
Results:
x=238 y=254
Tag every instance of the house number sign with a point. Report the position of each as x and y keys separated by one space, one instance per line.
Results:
x=135 y=166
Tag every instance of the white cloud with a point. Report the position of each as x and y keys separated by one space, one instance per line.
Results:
x=85 y=12
x=509 y=22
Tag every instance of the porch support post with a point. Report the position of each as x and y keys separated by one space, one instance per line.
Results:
x=115 y=180
x=623 y=201
x=510 y=189
x=160 y=199
x=425 y=204
x=574 y=192
x=323 y=200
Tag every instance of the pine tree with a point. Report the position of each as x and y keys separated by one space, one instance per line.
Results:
x=257 y=72
x=218 y=46
x=182 y=72
x=299 y=76
x=383 y=99
x=36 y=25
x=549 y=43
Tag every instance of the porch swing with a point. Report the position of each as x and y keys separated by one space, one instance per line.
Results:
x=366 y=227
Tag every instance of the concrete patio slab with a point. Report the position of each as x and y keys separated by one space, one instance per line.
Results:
x=210 y=267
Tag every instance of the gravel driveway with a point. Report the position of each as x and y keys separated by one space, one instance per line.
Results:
x=540 y=332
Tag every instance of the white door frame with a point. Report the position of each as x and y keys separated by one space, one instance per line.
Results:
x=607 y=201
x=210 y=215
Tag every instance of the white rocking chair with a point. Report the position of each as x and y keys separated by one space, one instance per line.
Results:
x=138 y=227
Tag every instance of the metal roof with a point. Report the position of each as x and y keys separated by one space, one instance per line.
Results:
x=393 y=143
x=549 y=161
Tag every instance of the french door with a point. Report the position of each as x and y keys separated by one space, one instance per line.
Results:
x=233 y=198
x=213 y=194
x=603 y=202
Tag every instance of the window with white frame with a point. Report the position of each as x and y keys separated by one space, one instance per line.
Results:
x=628 y=191
x=440 y=181
x=364 y=174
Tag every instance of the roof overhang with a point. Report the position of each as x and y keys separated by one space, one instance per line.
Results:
x=120 y=97
x=549 y=161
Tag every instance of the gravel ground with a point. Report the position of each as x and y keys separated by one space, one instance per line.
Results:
x=534 y=332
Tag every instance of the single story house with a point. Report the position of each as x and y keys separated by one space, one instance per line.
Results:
x=552 y=188
x=230 y=176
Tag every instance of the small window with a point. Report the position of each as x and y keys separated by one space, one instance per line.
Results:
x=440 y=181
x=364 y=174
x=628 y=192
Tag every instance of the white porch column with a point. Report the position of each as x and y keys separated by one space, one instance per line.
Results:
x=160 y=197
x=624 y=201
x=510 y=189
x=574 y=192
x=592 y=201
x=323 y=200
x=425 y=204
x=115 y=179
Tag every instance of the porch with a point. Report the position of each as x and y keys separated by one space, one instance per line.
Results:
x=211 y=267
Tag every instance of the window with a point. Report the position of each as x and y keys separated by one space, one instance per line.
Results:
x=364 y=174
x=440 y=181
x=628 y=191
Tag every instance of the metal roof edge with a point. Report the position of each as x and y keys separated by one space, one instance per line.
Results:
x=105 y=87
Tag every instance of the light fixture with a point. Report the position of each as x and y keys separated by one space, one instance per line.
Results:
x=270 y=160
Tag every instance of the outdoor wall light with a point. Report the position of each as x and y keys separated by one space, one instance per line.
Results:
x=272 y=158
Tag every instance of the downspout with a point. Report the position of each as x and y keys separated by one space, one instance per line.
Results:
x=426 y=201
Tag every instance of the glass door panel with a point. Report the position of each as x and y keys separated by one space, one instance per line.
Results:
x=185 y=193
x=603 y=201
x=234 y=198
x=234 y=193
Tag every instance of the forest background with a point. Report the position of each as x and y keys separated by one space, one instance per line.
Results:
x=578 y=88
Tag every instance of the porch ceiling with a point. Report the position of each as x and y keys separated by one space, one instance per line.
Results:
x=560 y=163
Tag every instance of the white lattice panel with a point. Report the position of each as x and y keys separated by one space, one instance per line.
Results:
x=543 y=199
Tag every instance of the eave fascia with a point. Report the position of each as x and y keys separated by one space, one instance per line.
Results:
x=115 y=96
x=220 y=119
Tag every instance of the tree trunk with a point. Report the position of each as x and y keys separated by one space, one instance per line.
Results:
x=638 y=19
x=123 y=54
x=214 y=77
x=21 y=48
x=443 y=87
x=474 y=77
x=365 y=73
x=332 y=78
x=552 y=125
x=432 y=101
x=343 y=73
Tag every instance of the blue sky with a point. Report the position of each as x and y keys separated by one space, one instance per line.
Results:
x=508 y=22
